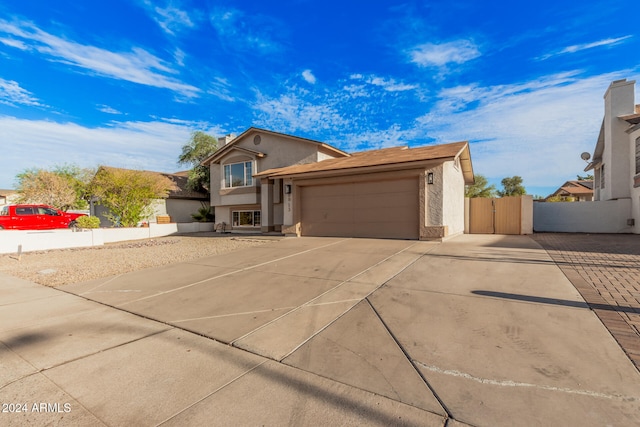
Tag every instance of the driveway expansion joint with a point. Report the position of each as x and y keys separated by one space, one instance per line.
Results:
x=411 y=361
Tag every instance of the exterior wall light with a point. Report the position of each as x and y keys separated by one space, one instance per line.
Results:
x=287 y=189
x=430 y=178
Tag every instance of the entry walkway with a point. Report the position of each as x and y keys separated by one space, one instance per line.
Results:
x=605 y=269
x=477 y=330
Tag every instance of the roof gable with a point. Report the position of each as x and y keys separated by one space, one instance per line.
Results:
x=222 y=151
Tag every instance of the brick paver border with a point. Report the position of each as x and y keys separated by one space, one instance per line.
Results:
x=605 y=270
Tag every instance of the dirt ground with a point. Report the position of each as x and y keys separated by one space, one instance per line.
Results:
x=65 y=266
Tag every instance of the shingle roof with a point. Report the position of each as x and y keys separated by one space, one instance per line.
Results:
x=385 y=157
x=580 y=187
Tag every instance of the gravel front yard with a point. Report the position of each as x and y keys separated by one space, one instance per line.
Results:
x=66 y=266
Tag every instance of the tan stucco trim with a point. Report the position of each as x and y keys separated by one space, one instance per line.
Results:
x=434 y=232
x=239 y=190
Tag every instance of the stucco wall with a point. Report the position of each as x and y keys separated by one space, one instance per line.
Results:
x=526 y=214
x=38 y=240
x=453 y=198
x=435 y=197
x=215 y=172
x=618 y=100
x=635 y=192
x=180 y=210
x=223 y=214
x=587 y=217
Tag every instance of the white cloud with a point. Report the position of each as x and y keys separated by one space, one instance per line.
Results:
x=390 y=85
x=12 y=94
x=221 y=88
x=170 y=18
x=440 y=55
x=585 y=46
x=13 y=43
x=309 y=77
x=107 y=109
x=534 y=129
x=246 y=33
x=290 y=113
x=152 y=145
x=137 y=66
x=393 y=136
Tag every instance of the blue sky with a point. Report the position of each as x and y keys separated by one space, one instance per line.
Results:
x=124 y=83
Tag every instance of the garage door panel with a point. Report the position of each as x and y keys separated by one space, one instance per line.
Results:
x=319 y=191
x=384 y=231
x=315 y=202
x=385 y=215
x=370 y=201
x=329 y=229
x=384 y=209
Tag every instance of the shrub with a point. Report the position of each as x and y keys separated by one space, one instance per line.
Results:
x=204 y=214
x=88 y=222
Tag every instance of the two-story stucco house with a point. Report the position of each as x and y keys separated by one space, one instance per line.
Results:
x=237 y=196
x=266 y=181
x=616 y=158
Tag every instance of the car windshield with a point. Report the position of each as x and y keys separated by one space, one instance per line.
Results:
x=4 y=211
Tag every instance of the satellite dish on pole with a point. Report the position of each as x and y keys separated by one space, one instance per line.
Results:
x=585 y=156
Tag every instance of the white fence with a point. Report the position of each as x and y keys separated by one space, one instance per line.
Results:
x=12 y=241
x=609 y=216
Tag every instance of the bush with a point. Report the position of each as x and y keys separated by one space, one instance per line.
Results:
x=88 y=222
x=204 y=214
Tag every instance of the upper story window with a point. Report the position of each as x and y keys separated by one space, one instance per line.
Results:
x=238 y=175
x=602 y=176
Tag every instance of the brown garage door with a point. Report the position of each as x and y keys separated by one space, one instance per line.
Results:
x=380 y=209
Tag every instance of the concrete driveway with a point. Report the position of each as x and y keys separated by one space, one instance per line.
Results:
x=478 y=330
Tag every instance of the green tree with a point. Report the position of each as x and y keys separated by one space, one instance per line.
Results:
x=80 y=178
x=480 y=188
x=64 y=187
x=199 y=147
x=512 y=187
x=584 y=177
x=129 y=194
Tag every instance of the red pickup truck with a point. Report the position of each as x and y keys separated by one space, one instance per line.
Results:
x=35 y=217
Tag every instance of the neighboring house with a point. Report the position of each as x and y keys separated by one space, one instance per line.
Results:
x=179 y=205
x=8 y=197
x=574 y=191
x=265 y=181
x=616 y=158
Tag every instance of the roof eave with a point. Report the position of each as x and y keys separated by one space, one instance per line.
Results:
x=355 y=170
x=467 y=166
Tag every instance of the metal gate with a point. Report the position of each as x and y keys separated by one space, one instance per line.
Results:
x=495 y=216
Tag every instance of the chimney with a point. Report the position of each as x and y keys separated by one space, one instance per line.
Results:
x=224 y=140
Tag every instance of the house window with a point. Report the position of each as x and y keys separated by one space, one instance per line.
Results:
x=637 y=156
x=602 y=176
x=246 y=218
x=238 y=175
